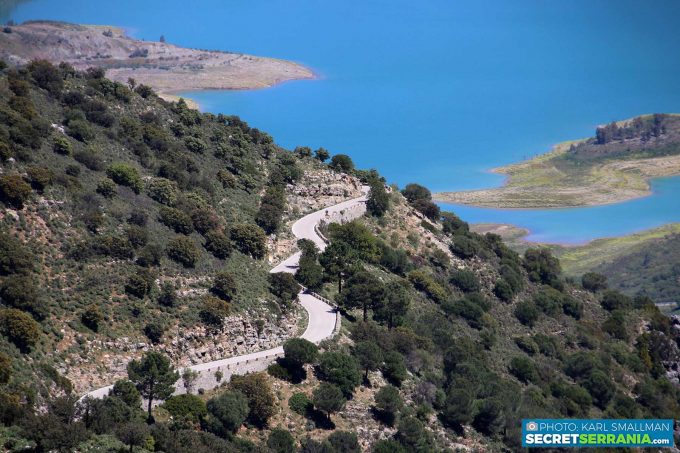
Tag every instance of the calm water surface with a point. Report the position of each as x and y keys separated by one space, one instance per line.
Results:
x=437 y=91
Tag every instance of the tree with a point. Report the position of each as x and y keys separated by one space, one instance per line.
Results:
x=458 y=407
x=341 y=370
x=91 y=317
x=369 y=356
x=336 y=260
x=224 y=286
x=363 y=291
x=322 y=154
x=299 y=403
x=249 y=239
x=154 y=377
x=378 y=201
x=310 y=272
x=413 y=192
x=342 y=163
x=189 y=378
x=132 y=434
x=280 y=441
x=284 y=286
x=394 y=368
x=260 y=396
x=127 y=392
x=388 y=402
x=299 y=351
x=600 y=387
x=395 y=304
x=228 y=411
x=328 y=398
x=503 y=290
x=412 y=434
x=213 y=311
x=183 y=250
x=14 y=191
x=542 y=267
x=490 y=417
x=593 y=281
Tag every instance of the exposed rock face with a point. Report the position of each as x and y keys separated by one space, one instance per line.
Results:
x=320 y=188
x=316 y=189
x=240 y=335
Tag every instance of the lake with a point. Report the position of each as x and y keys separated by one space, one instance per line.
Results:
x=437 y=91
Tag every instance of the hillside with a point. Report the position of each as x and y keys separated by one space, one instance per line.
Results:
x=137 y=237
x=165 y=67
x=613 y=166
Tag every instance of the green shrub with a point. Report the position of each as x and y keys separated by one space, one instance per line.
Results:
x=80 y=130
x=20 y=328
x=154 y=332
x=615 y=300
x=183 y=250
x=503 y=290
x=424 y=282
x=106 y=188
x=140 y=283
x=14 y=191
x=176 y=219
x=465 y=280
x=125 y=175
x=593 y=281
x=224 y=286
x=195 y=145
x=523 y=369
x=186 y=406
x=90 y=158
x=249 y=239
x=92 y=317
x=163 y=190
x=300 y=403
x=62 y=145
x=527 y=313
x=527 y=344
x=218 y=244
x=213 y=311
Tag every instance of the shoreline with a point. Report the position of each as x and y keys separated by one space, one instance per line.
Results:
x=551 y=181
x=169 y=69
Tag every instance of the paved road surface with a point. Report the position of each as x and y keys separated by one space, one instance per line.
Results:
x=321 y=316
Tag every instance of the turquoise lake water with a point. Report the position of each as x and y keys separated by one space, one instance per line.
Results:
x=437 y=91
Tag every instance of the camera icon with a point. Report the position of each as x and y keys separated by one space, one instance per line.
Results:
x=532 y=426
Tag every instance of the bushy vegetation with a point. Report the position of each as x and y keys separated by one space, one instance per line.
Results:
x=155 y=224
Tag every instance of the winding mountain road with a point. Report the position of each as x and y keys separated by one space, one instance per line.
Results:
x=322 y=317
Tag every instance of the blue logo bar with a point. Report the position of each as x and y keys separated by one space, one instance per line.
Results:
x=577 y=433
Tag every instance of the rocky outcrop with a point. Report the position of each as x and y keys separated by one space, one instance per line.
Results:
x=240 y=335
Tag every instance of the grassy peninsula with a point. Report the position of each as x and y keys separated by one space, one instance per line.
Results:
x=613 y=166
